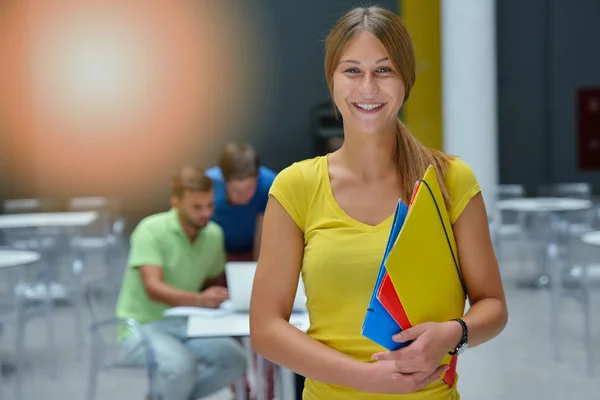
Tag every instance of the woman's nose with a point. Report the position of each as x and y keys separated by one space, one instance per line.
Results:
x=368 y=85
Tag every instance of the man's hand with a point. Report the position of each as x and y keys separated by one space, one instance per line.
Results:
x=213 y=297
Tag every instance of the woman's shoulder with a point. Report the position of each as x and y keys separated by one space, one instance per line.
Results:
x=295 y=186
x=458 y=171
x=301 y=172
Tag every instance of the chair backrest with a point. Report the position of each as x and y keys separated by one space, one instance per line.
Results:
x=510 y=191
x=106 y=208
x=88 y=203
x=507 y=192
x=578 y=190
x=30 y=205
x=101 y=296
x=580 y=220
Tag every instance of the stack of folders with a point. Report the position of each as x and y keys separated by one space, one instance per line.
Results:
x=419 y=279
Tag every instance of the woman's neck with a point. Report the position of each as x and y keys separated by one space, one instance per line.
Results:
x=369 y=157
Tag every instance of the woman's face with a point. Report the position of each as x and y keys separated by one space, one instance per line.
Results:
x=367 y=89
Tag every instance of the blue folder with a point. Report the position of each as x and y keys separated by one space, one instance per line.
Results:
x=379 y=326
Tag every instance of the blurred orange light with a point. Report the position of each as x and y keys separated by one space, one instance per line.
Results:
x=100 y=94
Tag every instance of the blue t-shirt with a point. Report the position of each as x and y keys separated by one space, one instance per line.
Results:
x=239 y=222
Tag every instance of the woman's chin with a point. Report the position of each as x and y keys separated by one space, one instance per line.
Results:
x=373 y=127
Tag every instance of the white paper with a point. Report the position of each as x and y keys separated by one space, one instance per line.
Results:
x=198 y=312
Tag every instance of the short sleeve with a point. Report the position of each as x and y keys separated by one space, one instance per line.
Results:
x=289 y=189
x=462 y=185
x=218 y=265
x=214 y=173
x=145 y=248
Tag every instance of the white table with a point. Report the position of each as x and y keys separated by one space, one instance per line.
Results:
x=61 y=220
x=233 y=325
x=238 y=325
x=544 y=204
x=10 y=258
x=591 y=238
x=549 y=208
x=15 y=258
x=46 y=220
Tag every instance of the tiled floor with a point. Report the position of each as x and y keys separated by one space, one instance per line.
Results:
x=517 y=365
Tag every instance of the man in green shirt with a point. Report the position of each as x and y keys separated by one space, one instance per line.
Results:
x=173 y=255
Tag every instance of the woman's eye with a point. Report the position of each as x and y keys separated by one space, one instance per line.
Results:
x=352 y=70
x=384 y=69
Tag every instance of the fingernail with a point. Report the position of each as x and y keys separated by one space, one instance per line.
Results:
x=374 y=358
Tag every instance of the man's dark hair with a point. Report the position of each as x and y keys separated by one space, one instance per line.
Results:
x=239 y=161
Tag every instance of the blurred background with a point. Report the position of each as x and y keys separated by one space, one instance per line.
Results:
x=101 y=102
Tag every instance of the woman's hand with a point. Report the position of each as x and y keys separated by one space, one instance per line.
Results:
x=431 y=341
x=383 y=377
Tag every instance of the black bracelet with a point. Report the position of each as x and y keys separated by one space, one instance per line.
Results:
x=464 y=339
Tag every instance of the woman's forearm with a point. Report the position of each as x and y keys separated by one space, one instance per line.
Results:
x=486 y=319
x=291 y=348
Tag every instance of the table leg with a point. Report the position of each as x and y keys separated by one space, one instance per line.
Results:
x=287 y=381
x=250 y=372
x=77 y=301
x=277 y=382
x=541 y=279
x=240 y=390
x=554 y=267
x=261 y=378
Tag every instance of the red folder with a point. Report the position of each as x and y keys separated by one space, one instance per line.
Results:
x=388 y=297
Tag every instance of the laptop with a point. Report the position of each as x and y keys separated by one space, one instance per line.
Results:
x=240 y=277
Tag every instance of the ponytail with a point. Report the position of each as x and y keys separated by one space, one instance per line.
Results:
x=412 y=160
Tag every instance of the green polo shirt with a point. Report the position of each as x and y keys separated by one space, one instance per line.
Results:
x=161 y=241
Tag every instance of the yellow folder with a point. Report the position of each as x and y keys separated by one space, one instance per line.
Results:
x=423 y=263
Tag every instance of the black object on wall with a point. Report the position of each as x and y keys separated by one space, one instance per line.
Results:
x=328 y=129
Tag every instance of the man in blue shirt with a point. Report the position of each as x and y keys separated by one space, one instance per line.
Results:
x=241 y=190
x=241 y=187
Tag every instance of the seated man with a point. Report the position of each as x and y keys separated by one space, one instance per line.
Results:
x=241 y=193
x=172 y=256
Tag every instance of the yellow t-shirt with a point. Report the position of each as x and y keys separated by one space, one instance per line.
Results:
x=340 y=265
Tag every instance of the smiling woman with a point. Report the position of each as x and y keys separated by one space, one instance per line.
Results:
x=329 y=219
x=100 y=89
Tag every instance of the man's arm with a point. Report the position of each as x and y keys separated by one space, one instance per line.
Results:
x=158 y=290
x=217 y=274
x=257 y=236
x=147 y=256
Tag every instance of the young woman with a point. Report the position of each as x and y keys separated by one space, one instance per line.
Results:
x=329 y=218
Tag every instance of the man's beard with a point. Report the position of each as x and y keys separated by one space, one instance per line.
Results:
x=188 y=221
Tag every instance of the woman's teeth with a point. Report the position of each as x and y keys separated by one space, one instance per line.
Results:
x=369 y=107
